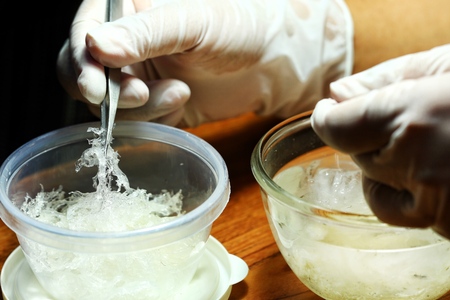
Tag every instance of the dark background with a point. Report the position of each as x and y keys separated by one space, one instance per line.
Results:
x=32 y=100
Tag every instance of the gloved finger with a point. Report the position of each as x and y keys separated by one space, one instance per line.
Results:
x=412 y=66
x=401 y=207
x=88 y=71
x=133 y=93
x=417 y=148
x=162 y=30
x=193 y=28
x=76 y=64
x=66 y=74
x=371 y=122
x=165 y=104
x=359 y=125
x=362 y=124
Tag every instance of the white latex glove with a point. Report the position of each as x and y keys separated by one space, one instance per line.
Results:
x=203 y=60
x=394 y=119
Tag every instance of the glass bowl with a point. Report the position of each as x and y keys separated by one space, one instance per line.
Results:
x=155 y=262
x=327 y=234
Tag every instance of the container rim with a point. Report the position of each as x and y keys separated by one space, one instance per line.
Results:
x=173 y=230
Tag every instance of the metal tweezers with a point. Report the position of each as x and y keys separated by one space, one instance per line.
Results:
x=109 y=104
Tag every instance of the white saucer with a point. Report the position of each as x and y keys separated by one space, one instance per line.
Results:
x=216 y=273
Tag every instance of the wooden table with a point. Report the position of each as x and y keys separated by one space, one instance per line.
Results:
x=242 y=228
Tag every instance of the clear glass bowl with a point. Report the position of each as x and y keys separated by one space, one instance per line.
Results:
x=148 y=263
x=325 y=231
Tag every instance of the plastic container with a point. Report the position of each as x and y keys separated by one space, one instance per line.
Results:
x=216 y=273
x=324 y=229
x=148 y=263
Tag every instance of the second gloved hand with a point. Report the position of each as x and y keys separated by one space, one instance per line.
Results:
x=187 y=62
x=394 y=120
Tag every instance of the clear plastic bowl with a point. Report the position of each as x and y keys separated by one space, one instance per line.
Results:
x=149 y=263
x=328 y=236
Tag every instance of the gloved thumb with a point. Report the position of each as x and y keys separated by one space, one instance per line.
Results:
x=165 y=103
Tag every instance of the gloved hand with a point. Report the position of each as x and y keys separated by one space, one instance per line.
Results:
x=203 y=60
x=394 y=120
